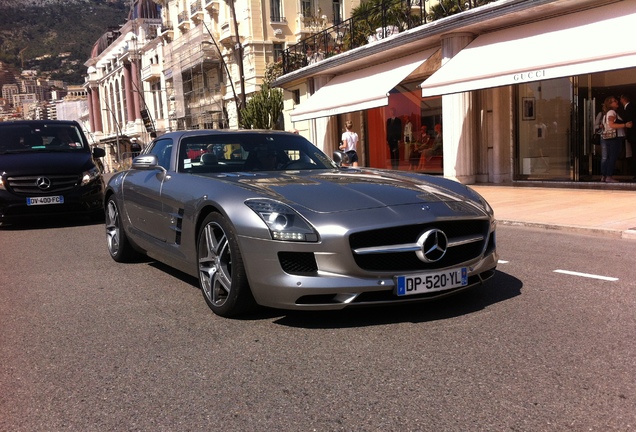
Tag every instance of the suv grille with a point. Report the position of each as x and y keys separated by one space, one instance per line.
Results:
x=28 y=185
x=398 y=261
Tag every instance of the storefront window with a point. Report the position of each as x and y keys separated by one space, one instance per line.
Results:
x=544 y=112
x=407 y=134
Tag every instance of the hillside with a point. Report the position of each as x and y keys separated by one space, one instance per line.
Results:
x=34 y=33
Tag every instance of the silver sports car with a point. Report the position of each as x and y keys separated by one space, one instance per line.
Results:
x=266 y=218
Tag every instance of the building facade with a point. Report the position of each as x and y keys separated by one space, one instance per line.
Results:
x=178 y=64
x=216 y=52
x=504 y=92
x=125 y=99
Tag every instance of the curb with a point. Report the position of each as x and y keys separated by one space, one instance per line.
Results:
x=599 y=232
x=629 y=234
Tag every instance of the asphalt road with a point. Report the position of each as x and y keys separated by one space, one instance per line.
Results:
x=90 y=345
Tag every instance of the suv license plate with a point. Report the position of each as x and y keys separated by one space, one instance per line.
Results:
x=429 y=282
x=45 y=200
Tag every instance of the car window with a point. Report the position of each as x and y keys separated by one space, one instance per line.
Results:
x=162 y=148
x=247 y=152
x=38 y=137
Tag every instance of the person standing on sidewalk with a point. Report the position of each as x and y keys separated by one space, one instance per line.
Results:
x=611 y=139
x=628 y=114
x=349 y=143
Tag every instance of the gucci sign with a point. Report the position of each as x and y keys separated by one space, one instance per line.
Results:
x=529 y=76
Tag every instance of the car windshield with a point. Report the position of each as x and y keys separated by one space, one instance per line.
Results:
x=27 y=138
x=247 y=152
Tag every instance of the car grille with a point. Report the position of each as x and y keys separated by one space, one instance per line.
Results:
x=396 y=261
x=28 y=185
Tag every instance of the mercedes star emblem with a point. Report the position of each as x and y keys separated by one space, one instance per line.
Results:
x=43 y=183
x=433 y=244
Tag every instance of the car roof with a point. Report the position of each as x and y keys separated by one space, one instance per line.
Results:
x=38 y=122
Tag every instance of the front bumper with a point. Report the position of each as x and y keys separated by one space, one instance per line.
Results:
x=338 y=288
x=88 y=199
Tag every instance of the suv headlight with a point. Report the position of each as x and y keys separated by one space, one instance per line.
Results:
x=89 y=176
x=284 y=223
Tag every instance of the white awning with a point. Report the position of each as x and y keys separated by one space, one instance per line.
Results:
x=360 y=90
x=585 y=42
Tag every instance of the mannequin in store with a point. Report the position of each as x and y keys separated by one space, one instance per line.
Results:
x=408 y=138
x=393 y=137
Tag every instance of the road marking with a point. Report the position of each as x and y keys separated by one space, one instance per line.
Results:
x=587 y=275
x=502 y=262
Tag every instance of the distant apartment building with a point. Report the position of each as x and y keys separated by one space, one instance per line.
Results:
x=51 y=111
x=8 y=74
x=9 y=91
x=21 y=99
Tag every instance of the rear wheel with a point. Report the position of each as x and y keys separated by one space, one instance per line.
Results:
x=221 y=271
x=118 y=245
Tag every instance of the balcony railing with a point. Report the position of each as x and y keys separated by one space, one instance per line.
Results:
x=212 y=6
x=151 y=72
x=277 y=18
x=166 y=27
x=195 y=7
x=196 y=11
x=389 y=18
x=183 y=20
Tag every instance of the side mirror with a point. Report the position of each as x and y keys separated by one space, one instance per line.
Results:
x=145 y=162
x=99 y=152
x=340 y=157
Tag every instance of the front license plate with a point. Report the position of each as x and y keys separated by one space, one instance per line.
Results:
x=45 y=200
x=429 y=282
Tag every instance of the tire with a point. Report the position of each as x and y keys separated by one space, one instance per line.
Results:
x=222 y=274
x=118 y=245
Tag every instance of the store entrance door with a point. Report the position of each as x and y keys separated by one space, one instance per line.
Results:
x=592 y=91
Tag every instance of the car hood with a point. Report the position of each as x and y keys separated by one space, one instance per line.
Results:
x=35 y=163
x=358 y=189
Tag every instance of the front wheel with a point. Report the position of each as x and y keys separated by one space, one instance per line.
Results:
x=221 y=271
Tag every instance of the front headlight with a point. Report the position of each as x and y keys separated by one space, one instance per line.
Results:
x=2 y=187
x=284 y=223
x=89 y=176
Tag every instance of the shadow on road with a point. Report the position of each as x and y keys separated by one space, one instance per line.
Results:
x=50 y=222
x=500 y=288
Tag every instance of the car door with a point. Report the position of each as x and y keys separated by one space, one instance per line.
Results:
x=142 y=193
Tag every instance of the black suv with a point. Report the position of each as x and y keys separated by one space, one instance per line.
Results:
x=47 y=168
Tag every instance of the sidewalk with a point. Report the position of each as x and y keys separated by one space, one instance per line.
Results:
x=609 y=213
